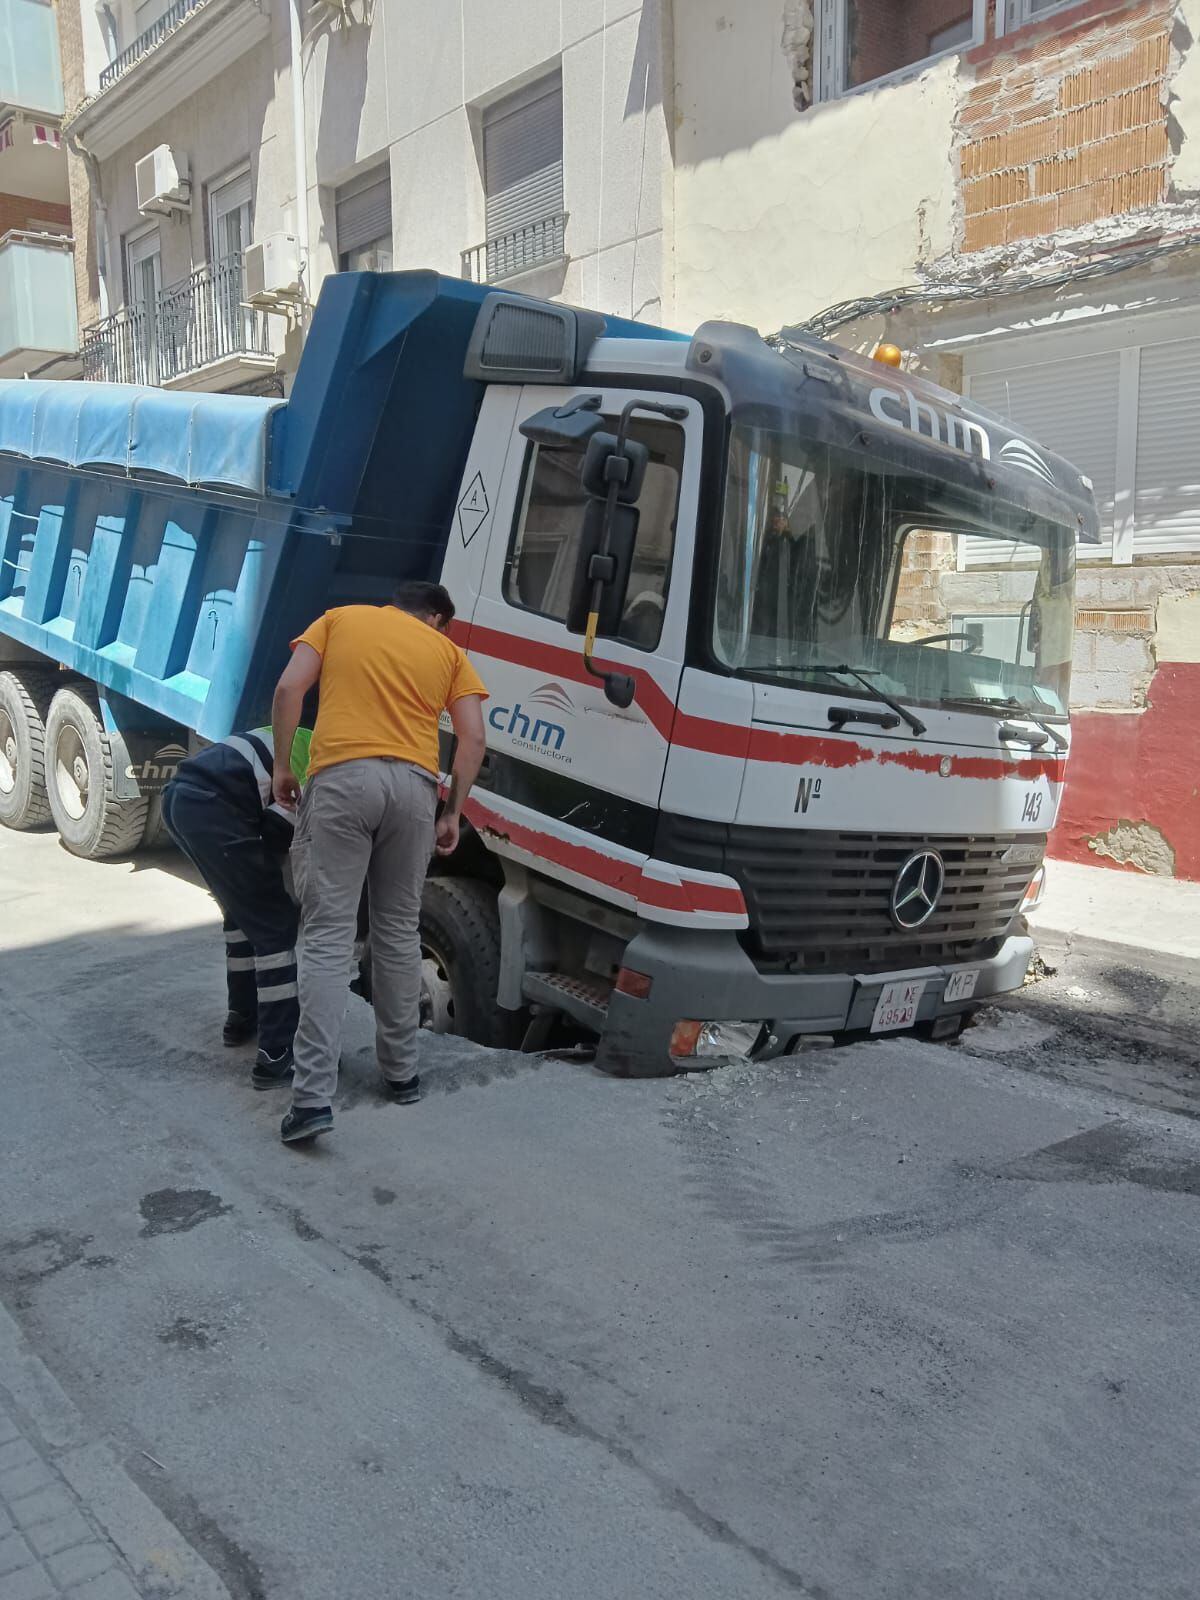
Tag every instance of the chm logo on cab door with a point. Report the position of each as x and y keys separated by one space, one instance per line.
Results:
x=528 y=725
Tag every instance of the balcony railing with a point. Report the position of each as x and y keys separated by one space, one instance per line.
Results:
x=534 y=244
x=145 y=42
x=193 y=323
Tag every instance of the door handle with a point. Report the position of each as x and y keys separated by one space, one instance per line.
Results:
x=841 y=715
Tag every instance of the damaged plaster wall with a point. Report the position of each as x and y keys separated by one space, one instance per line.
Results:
x=773 y=218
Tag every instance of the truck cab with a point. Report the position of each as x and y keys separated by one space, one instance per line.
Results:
x=810 y=816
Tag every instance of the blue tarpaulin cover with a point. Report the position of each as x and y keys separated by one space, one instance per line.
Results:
x=219 y=439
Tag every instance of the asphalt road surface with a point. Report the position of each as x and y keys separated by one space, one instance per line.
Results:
x=892 y=1321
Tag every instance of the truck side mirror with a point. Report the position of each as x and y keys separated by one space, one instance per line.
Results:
x=566 y=427
x=608 y=461
x=608 y=568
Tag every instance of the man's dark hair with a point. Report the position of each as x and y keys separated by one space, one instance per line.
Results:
x=424 y=599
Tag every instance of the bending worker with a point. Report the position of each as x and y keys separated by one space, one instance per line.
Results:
x=219 y=811
x=386 y=673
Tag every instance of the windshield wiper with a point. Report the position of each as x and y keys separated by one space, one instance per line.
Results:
x=1009 y=703
x=859 y=674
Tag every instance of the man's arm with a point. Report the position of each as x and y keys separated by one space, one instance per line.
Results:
x=467 y=716
x=301 y=672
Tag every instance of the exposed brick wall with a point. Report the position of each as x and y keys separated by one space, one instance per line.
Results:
x=919 y=597
x=70 y=49
x=1069 y=129
x=885 y=35
x=36 y=216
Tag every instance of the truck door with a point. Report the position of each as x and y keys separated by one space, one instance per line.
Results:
x=556 y=743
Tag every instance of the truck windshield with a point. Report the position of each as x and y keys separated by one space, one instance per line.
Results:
x=936 y=594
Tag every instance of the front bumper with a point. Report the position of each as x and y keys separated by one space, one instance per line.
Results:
x=709 y=977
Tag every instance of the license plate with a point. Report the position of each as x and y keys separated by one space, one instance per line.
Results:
x=897 y=1006
x=960 y=985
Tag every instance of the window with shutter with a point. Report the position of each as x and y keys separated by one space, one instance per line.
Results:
x=523 y=179
x=363 y=222
x=1071 y=407
x=1166 y=498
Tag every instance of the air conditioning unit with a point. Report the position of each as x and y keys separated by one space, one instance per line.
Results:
x=162 y=182
x=272 y=272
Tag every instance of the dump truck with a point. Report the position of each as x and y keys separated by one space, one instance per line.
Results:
x=738 y=789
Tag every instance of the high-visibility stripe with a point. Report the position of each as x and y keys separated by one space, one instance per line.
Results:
x=279 y=991
x=283 y=958
x=245 y=749
x=239 y=963
x=235 y=936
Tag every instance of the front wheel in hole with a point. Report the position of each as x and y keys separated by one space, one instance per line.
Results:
x=79 y=782
x=460 y=963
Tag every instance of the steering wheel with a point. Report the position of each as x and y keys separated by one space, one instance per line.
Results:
x=972 y=640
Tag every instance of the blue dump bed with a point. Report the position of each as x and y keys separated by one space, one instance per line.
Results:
x=168 y=545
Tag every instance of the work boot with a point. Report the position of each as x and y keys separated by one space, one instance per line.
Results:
x=405 y=1092
x=238 y=1029
x=305 y=1122
x=272 y=1072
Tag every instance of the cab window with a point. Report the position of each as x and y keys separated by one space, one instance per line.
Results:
x=549 y=526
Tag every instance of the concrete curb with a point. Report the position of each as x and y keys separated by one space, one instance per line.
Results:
x=1067 y=941
x=163 y=1561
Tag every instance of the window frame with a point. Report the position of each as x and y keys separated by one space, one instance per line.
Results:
x=378 y=173
x=497 y=110
x=1013 y=15
x=213 y=190
x=511 y=559
x=829 y=52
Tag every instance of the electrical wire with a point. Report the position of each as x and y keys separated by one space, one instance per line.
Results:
x=846 y=311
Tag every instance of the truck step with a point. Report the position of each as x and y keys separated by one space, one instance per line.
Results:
x=584 y=999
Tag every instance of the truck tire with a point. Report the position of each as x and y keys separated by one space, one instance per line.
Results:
x=79 y=776
x=460 y=956
x=23 y=700
x=155 y=835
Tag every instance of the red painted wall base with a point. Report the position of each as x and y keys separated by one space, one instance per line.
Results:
x=1137 y=767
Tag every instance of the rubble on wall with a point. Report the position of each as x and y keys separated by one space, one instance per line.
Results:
x=797 y=42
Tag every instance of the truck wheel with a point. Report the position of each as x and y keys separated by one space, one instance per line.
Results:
x=23 y=701
x=460 y=963
x=155 y=835
x=79 y=775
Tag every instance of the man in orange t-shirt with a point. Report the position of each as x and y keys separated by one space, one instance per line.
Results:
x=386 y=673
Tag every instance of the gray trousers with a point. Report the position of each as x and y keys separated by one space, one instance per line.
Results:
x=360 y=820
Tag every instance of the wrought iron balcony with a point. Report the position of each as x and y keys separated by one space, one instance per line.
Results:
x=534 y=244
x=145 y=42
x=194 y=323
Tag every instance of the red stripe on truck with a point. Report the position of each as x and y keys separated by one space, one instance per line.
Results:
x=586 y=861
x=728 y=739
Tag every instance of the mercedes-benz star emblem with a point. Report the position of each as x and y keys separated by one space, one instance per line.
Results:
x=917 y=889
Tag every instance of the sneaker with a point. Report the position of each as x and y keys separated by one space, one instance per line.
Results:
x=238 y=1029
x=406 y=1092
x=272 y=1072
x=305 y=1122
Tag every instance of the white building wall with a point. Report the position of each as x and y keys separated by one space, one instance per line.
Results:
x=779 y=214
x=411 y=89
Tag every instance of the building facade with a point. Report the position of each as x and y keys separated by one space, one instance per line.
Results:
x=1007 y=189
x=523 y=142
x=37 y=295
x=1010 y=191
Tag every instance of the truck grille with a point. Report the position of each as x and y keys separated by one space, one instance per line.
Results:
x=821 y=901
